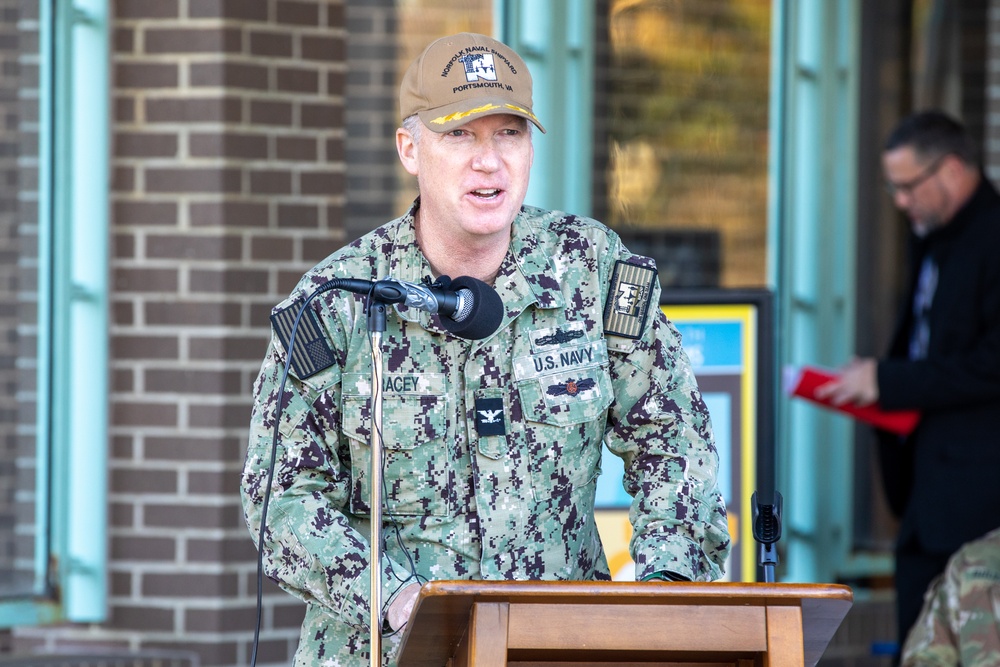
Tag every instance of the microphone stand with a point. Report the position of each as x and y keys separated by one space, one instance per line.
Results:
x=766 y=502
x=378 y=299
x=767 y=531
x=376 y=327
x=380 y=294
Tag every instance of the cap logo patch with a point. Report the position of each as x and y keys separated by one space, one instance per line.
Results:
x=479 y=66
x=480 y=69
x=571 y=387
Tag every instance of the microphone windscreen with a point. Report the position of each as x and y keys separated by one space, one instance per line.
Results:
x=487 y=310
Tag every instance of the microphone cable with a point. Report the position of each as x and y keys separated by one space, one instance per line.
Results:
x=279 y=402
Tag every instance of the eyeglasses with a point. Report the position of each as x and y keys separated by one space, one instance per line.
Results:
x=909 y=186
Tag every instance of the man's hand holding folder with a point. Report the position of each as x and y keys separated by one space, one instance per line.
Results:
x=853 y=391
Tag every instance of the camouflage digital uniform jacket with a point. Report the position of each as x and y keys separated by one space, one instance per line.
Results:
x=513 y=505
x=960 y=620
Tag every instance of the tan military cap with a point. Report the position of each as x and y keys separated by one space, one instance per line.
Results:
x=463 y=77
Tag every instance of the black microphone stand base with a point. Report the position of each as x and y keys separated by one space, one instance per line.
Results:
x=767 y=532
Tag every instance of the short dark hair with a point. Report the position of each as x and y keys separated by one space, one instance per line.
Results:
x=933 y=134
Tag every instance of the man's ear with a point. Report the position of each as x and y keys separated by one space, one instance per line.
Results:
x=407 y=148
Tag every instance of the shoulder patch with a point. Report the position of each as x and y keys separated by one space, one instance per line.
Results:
x=628 y=303
x=312 y=353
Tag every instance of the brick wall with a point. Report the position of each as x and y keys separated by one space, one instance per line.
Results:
x=991 y=138
x=19 y=309
x=10 y=120
x=228 y=183
x=372 y=114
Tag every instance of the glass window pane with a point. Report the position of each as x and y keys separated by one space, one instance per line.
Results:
x=685 y=156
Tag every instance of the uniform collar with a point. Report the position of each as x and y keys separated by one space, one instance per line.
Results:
x=525 y=277
x=407 y=262
x=529 y=252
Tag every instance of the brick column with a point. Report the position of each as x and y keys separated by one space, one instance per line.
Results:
x=13 y=575
x=228 y=183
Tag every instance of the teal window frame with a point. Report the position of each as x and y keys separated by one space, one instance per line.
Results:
x=812 y=243
x=71 y=498
x=555 y=38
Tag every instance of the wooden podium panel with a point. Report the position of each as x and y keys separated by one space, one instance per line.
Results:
x=534 y=623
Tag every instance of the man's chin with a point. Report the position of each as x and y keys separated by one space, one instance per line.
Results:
x=923 y=227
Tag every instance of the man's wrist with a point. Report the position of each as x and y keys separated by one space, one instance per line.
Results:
x=401 y=606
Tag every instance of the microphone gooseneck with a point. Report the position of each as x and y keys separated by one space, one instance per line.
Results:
x=469 y=308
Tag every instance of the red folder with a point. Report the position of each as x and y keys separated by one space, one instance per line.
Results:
x=804 y=381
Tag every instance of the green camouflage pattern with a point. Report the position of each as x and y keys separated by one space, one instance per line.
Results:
x=517 y=505
x=960 y=621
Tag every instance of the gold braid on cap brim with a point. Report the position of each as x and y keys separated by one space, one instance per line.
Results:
x=459 y=115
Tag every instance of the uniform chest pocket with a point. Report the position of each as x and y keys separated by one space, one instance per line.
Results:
x=566 y=398
x=414 y=429
x=566 y=386
x=565 y=413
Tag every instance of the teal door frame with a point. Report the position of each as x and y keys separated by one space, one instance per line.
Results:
x=812 y=228
x=555 y=38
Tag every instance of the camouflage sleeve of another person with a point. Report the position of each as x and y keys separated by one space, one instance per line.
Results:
x=931 y=641
x=960 y=620
x=660 y=426
x=310 y=549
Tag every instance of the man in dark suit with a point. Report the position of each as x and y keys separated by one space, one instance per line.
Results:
x=943 y=480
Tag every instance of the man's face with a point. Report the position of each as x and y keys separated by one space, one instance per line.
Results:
x=472 y=179
x=917 y=188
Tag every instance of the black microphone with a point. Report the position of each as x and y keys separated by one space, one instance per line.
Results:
x=469 y=307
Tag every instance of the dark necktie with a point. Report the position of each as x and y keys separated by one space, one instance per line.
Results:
x=923 y=296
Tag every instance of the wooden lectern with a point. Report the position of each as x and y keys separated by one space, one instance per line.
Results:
x=577 y=624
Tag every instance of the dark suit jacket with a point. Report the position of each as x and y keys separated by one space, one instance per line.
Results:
x=944 y=479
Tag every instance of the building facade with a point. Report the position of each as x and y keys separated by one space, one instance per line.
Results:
x=248 y=139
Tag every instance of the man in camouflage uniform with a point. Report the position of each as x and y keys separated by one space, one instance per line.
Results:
x=960 y=620
x=492 y=446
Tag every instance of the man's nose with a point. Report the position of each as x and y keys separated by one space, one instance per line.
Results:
x=487 y=157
